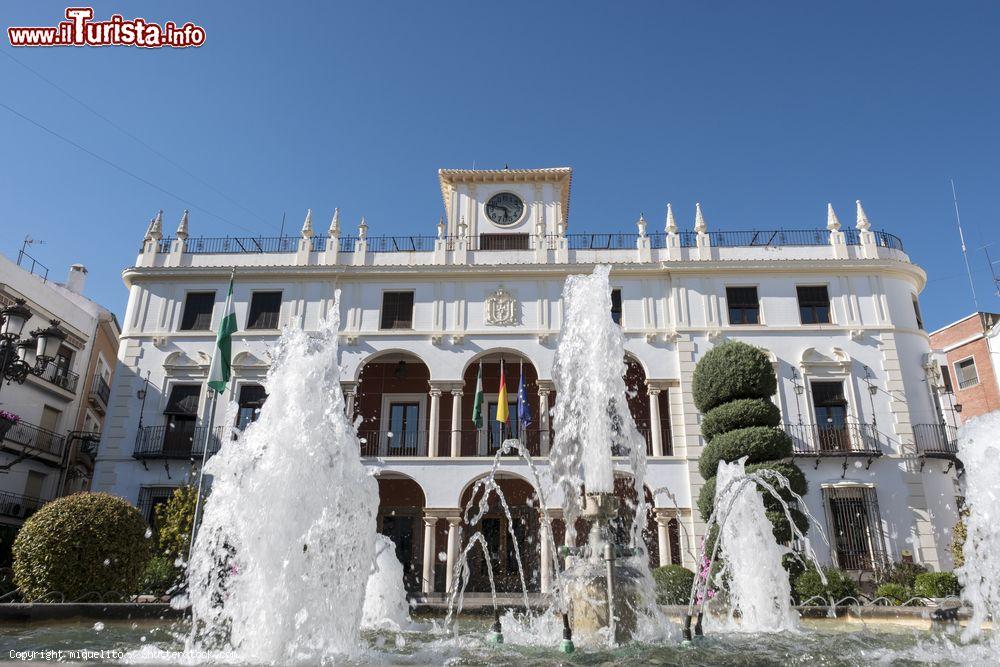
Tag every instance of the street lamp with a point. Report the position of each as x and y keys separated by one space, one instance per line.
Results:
x=19 y=357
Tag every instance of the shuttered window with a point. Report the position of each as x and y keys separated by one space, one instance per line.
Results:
x=744 y=307
x=616 y=306
x=198 y=311
x=264 y=309
x=397 y=310
x=814 y=304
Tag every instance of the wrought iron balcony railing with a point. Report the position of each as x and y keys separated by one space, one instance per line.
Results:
x=388 y=443
x=583 y=241
x=36 y=439
x=936 y=440
x=100 y=390
x=845 y=439
x=172 y=441
x=61 y=377
x=17 y=506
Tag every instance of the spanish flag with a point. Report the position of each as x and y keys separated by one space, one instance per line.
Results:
x=502 y=409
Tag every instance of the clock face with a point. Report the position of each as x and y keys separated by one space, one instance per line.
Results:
x=505 y=208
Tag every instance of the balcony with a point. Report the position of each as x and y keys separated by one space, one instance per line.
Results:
x=25 y=438
x=100 y=393
x=937 y=441
x=387 y=443
x=17 y=506
x=848 y=440
x=175 y=442
x=61 y=377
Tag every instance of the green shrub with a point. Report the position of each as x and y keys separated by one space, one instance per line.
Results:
x=904 y=574
x=796 y=480
x=741 y=413
x=673 y=584
x=79 y=544
x=160 y=576
x=783 y=531
x=936 y=584
x=895 y=593
x=173 y=522
x=838 y=585
x=757 y=443
x=729 y=371
x=958 y=536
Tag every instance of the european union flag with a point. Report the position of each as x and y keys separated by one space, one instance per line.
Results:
x=523 y=409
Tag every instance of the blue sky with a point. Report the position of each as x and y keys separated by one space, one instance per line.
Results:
x=764 y=112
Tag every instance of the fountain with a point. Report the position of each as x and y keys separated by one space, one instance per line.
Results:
x=268 y=580
x=385 y=598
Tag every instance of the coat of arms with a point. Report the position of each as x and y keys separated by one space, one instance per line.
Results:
x=501 y=308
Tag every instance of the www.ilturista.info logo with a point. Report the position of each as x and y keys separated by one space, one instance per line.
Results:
x=81 y=30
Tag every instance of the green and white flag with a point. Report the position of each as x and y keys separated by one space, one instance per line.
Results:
x=477 y=406
x=218 y=374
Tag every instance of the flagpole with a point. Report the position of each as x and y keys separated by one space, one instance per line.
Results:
x=201 y=471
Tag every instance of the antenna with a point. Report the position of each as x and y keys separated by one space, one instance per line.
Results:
x=961 y=236
x=282 y=233
x=993 y=271
x=29 y=240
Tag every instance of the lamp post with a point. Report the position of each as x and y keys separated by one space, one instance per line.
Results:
x=872 y=390
x=21 y=356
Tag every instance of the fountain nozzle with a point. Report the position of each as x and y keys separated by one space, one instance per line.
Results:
x=496 y=632
x=566 y=646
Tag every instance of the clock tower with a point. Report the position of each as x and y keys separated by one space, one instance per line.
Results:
x=495 y=203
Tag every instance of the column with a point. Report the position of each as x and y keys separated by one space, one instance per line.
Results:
x=655 y=429
x=544 y=435
x=350 y=390
x=427 y=582
x=663 y=537
x=434 y=419
x=456 y=423
x=453 y=524
x=544 y=532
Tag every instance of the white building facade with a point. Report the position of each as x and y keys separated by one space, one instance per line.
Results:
x=834 y=308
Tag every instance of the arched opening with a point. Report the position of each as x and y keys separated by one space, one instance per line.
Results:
x=393 y=402
x=505 y=536
x=487 y=438
x=400 y=518
x=637 y=396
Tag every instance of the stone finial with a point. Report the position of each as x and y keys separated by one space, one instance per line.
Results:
x=863 y=223
x=307 y=225
x=182 y=228
x=152 y=231
x=363 y=229
x=335 y=223
x=462 y=227
x=641 y=224
x=440 y=227
x=561 y=227
x=671 y=226
x=699 y=219
x=832 y=223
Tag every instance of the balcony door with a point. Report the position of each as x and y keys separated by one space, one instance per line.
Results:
x=830 y=408
x=497 y=432
x=403 y=436
x=181 y=417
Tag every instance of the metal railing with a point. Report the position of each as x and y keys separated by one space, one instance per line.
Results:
x=35 y=438
x=17 y=506
x=935 y=439
x=101 y=390
x=175 y=441
x=579 y=241
x=831 y=440
x=61 y=377
x=387 y=443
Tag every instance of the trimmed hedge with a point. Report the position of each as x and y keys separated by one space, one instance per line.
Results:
x=936 y=584
x=673 y=584
x=757 y=443
x=904 y=574
x=838 y=585
x=730 y=371
x=796 y=480
x=741 y=413
x=87 y=542
x=895 y=593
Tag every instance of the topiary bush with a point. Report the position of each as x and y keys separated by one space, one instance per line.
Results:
x=731 y=371
x=87 y=542
x=741 y=413
x=838 y=585
x=673 y=584
x=732 y=386
x=936 y=584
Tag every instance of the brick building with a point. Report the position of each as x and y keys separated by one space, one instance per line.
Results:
x=967 y=351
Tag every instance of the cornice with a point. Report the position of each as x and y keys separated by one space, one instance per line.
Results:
x=563 y=175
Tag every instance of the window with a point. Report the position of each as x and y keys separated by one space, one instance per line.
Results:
x=814 y=304
x=251 y=400
x=151 y=497
x=264 y=308
x=965 y=371
x=946 y=379
x=744 y=308
x=397 y=310
x=856 y=527
x=198 y=311
x=404 y=429
x=616 y=306
x=830 y=406
x=504 y=242
x=916 y=312
x=181 y=416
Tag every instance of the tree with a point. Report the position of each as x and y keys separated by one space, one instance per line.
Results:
x=173 y=523
x=732 y=387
